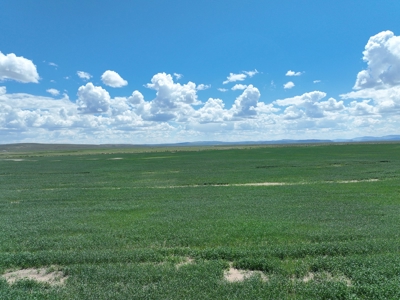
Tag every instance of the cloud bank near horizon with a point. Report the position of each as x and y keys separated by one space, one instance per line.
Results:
x=177 y=113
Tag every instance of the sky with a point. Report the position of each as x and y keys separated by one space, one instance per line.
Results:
x=156 y=71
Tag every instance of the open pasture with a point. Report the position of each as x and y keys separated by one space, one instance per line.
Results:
x=249 y=222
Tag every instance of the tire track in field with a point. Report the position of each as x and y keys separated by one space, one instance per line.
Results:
x=259 y=184
x=270 y=183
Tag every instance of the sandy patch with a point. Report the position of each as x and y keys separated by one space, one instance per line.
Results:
x=259 y=184
x=308 y=277
x=354 y=181
x=14 y=159
x=101 y=188
x=39 y=275
x=186 y=261
x=264 y=183
x=115 y=158
x=325 y=276
x=225 y=185
x=344 y=279
x=19 y=159
x=237 y=275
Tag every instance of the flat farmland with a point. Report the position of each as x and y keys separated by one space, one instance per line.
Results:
x=248 y=222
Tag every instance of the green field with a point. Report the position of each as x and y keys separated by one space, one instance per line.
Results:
x=318 y=221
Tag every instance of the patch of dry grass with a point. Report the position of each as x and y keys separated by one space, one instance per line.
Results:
x=42 y=275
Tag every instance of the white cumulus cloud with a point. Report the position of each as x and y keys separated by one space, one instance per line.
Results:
x=212 y=112
x=175 y=92
x=382 y=54
x=293 y=73
x=288 y=85
x=246 y=103
x=379 y=84
x=17 y=68
x=93 y=99
x=307 y=104
x=299 y=100
x=240 y=77
x=331 y=105
x=239 y=87
x=251 y=73
x=386 y=100
x=361 y=108
x=53 y=92
x=172 y=99
x=136 y=98
x=235 y=77
x=202 y=87
x=178 y=76
x=83 y=75
x=113 y=79
x=292 y=113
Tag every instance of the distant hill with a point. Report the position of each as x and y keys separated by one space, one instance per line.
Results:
x=387 y=138
x=372 y=138
x=23 y=147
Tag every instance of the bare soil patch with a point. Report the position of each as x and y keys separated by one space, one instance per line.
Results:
x=308 y=277
x=186 y=261
x=156 y=157
x=265 y=183
x=42 y=275
x=354 y=181
x=259 y=184
x=14 y=159
x=325 y=276
x=237 y=275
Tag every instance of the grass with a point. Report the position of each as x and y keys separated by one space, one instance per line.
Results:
x=118 y=228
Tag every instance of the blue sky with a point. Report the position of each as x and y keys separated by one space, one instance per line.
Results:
x=173 y=71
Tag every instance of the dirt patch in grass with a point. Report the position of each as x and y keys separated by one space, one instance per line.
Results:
x=14 y=159
x=259 y=184
x=264 y=183
x=223 y=185
x=186 y=261
x=237 y=275
x=325 y=276
x=52 y=277
x=355 y=181
x=156 y=157
x=308 y=277
x=115 y=158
